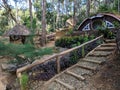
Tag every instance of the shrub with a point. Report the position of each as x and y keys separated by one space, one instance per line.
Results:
x=69 y=42
x=24 y=81
x=29 y=52
x=107 y=33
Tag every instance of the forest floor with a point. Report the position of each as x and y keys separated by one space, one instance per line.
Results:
x=108 y=78
x=6 y=79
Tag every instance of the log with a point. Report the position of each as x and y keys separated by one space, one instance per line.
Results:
x=88 y=68
x=93 y=61
x=34 y=64
x=58 y=64
x=75 y=75
x=65 y=84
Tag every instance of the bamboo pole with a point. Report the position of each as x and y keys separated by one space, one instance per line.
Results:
x=58 y=64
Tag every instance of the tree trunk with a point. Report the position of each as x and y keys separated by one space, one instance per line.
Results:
x=58 y=14
x=16 y=10
x=74 y=12
x=8 y=9
x=118 y=6
x=88 y=8
x=30 y=10
x=43 y=37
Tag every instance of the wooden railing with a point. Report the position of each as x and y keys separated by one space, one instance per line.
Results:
x=56 y=57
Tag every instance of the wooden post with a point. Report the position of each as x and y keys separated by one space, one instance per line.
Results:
x=19 y=75
x=83 y=51
x=58 y=64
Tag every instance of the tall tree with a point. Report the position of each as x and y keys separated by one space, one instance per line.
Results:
x=9 y=11
x=118 y=6
x=58 y=14
x=88 y=8
x=74 y=11
x=30 y=10
x=43 y=37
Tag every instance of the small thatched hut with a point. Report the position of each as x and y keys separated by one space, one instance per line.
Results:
x=18 y=33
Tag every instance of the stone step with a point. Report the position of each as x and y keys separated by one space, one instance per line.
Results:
x=97 y=58
x=65 y=84
x=105 y=49
x=75 y=75
x=81 y=71
x=93 y=61
x=87 y=65
x=55 y=86
x=108 y=45
x=71 y=80
x=110 y=41
x=100 y=54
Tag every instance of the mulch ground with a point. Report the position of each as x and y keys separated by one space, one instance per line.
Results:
x=108 y=78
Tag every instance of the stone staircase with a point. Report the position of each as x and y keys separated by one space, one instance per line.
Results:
x=77 y=77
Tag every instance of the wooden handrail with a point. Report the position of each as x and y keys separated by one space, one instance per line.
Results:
x=34 y=64
x=53 y=56
x=72 y=49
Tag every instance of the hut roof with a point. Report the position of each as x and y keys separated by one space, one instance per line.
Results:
x=18 y=30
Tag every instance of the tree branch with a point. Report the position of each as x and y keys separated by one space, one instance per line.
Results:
x=8 y=9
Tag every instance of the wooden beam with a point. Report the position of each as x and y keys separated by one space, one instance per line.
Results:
x=88 y=68
x=35 y=63
x=108 y=45
x=75 y=75
x=58 y=64
x=105 y=49
x=93 y=61
x=99 y=55
x=65 y=84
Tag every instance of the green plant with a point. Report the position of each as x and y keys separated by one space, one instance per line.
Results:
x=107 y=33
x=70 y=32
x=116 y=24
x=74 y=56
x=29 y=52
x=69 y=42
x=91 y=37
x=24 y=81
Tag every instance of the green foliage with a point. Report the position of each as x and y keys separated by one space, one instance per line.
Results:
x=24 y=81
x=107 y=33
x=103 y=8
x=69 y=42
x=3 y=23
x=28 y=23
x=74 y=57
x=91 y=37
x=116 y=24
x=27 y=50
x=70 y=32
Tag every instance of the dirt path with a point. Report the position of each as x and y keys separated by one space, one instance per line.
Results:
x=6 y=79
